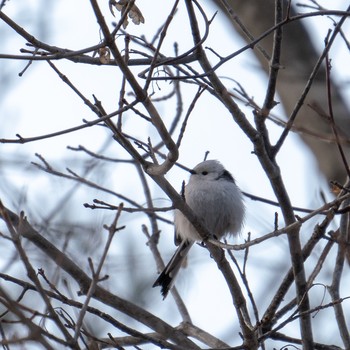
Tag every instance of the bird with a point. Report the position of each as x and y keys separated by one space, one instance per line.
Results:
x=217 y=202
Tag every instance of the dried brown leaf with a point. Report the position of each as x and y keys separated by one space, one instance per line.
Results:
x=104 y=55
x=134 y=13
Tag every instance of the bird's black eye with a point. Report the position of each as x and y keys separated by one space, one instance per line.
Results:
x=204 y=173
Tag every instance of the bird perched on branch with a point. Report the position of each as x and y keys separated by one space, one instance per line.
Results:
x=215 y=199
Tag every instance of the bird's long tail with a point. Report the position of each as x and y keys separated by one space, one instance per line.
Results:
x=167 y=277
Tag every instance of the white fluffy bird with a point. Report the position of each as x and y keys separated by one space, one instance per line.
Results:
x=215 y=199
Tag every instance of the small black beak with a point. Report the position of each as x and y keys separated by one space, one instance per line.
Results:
x=192 y=172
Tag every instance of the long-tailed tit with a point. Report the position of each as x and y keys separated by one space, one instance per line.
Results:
x=215 y=199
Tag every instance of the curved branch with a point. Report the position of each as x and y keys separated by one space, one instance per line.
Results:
x=84 y=281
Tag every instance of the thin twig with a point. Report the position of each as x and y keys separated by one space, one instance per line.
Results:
x=307 y=88
x=96 y=274
x=331 y=115
x=334 y=288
